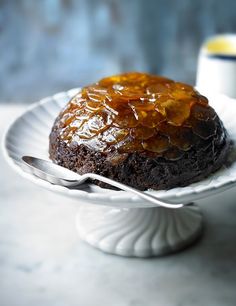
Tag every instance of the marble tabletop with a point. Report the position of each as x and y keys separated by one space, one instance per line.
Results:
x=43 y=262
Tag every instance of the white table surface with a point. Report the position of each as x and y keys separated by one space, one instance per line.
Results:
x=43 y=262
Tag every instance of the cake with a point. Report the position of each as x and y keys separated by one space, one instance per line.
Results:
x=146 y=131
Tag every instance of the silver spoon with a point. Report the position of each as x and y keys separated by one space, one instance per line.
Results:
x=58 y=175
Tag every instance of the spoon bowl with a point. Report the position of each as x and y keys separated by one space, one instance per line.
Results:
x=50 y=172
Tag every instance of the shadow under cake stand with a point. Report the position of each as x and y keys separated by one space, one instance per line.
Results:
x=119 y=222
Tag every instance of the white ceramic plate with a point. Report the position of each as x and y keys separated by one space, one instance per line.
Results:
x=28 y=135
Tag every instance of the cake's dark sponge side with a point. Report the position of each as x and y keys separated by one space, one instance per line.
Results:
x=141 y=171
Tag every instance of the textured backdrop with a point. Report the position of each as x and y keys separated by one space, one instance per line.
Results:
x=51 y=45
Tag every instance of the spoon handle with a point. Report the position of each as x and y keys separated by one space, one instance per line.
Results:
x=145 y=196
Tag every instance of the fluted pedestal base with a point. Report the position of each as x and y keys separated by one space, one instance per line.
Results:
x=139 y=232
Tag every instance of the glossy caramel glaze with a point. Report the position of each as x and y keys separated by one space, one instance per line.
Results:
x=137 y=112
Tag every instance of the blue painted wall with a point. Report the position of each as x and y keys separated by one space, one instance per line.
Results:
x=52 y=45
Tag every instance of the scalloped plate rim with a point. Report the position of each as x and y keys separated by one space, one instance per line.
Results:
x=175 y=194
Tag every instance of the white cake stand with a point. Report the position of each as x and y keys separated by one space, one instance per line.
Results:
x=121 y=223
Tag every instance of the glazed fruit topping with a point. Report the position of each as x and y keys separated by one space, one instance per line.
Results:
x=138 y=112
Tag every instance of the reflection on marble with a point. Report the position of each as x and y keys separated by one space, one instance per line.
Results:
x=42 y=261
